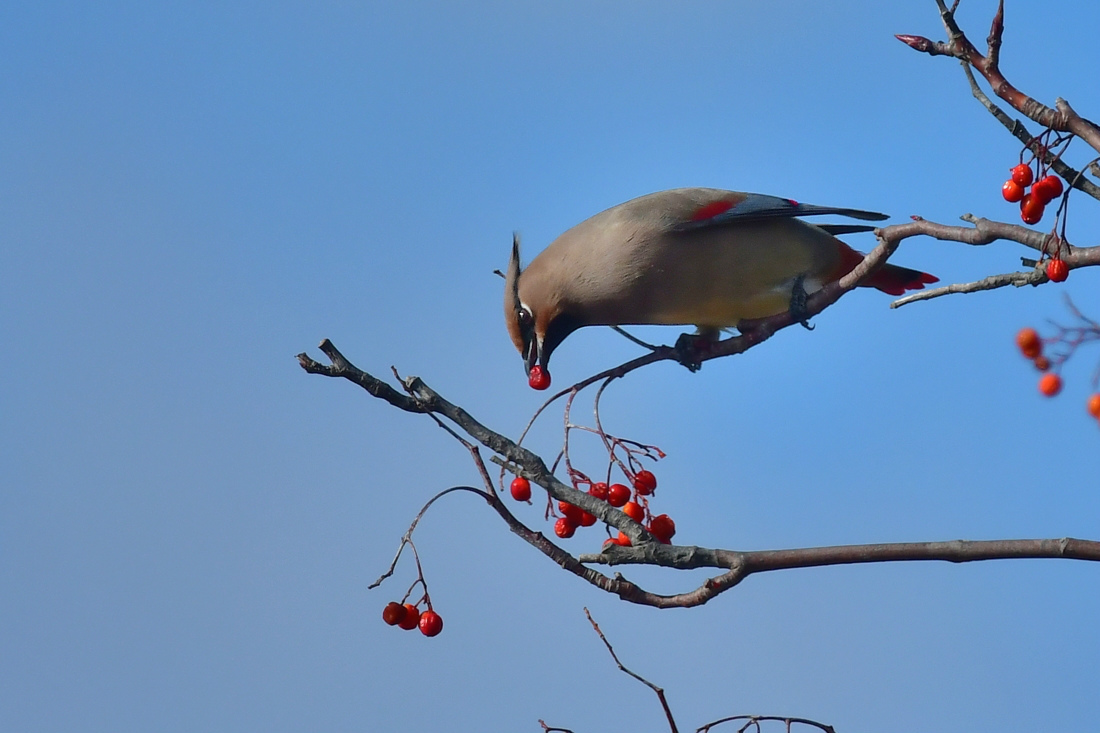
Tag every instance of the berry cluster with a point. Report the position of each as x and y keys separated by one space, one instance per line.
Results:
x=634 y=503
x=408 y=617
x=1034 y=202
x=1031 y=346
x=1050 y=384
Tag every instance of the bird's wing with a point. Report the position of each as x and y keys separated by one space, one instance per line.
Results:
x=838 y=229
x=739 y=208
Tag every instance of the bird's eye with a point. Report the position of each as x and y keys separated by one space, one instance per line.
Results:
x=526 y=320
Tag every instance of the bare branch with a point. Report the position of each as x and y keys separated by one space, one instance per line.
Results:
x=551 y=729
x=1062 y=118
x=659 y=691
x=752 y=720
x=743 y=564
x=996 y=30
x=755 y=720
x=993 y=282
x=983 y=232
x=407 y=538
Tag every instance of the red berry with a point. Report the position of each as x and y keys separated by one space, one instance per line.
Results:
x=538 y=378
x=1057 y=270
x=587 y=519
x=645 y=482
x=571 y=512
x=1031 y=208
x=662 y=527
x=1012 y=191
x=1048 y=189
x=431 y=623
x=622 y=540
x=1094 y=405
x=1029 y=342
x=1050 y=384
x=411 y=618
x=599 y=490
x=393 y=613
x=1022 y=174
x=521 y=489
x=634 y=511
x=617 y=495
x=1042 y=363
x=564 y=528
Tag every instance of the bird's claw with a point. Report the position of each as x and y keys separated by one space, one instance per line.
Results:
x=690 y=348
x=798 y=303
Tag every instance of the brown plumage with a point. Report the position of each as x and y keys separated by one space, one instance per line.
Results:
x=691 y=256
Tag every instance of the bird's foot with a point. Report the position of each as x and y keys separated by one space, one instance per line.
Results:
x=692 y=348
x=798 y=303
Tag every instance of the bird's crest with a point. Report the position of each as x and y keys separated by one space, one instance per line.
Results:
x=513 y=309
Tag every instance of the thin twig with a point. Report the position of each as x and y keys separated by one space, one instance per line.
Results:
x=630 y=337
x=755 y=720
x=659 y=691
x=1019 y=279
x=406 y=539
x=1062 y=117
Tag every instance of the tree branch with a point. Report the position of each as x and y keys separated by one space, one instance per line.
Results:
x=622 y=668
x=743 y=564
x=993 y=282
x=645 y=550
x=983 y=232
x=755 y=720
x=1062 y=117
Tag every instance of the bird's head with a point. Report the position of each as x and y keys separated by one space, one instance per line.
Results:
x=534 y=310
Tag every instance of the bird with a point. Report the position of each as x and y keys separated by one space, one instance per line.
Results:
x=702 y=257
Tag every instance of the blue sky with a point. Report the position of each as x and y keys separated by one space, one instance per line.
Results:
x=192 y=193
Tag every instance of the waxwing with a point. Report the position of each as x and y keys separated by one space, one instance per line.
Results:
x=690 y=256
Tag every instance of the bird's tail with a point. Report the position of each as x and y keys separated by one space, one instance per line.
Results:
x=890 y=279
x=895 y=280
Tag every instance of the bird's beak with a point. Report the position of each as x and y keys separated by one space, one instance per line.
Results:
x=532 y=354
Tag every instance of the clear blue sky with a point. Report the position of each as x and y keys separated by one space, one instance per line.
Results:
x=192 y=193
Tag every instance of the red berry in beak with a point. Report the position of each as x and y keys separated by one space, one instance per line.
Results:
x=539 y=378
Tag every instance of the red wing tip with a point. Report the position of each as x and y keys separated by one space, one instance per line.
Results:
x=711 y=210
